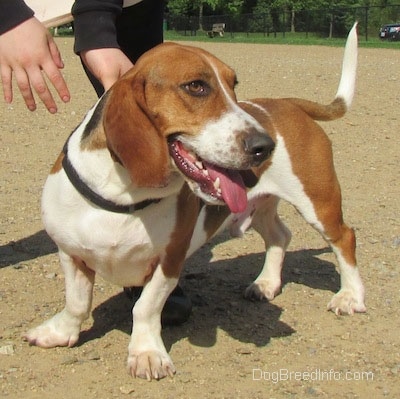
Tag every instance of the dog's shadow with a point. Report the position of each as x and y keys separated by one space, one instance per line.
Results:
x=27 y=248
x=216 y=290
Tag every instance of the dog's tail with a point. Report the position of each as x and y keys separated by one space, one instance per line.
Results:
x=344 y=96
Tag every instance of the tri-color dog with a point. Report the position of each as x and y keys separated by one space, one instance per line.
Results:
x=167 y=159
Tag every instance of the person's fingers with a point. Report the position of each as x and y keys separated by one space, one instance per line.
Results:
x=55 y=52
x=6 y=79
x=25 y=88
x=54 y=74
x=40 y=86
x=57 y=80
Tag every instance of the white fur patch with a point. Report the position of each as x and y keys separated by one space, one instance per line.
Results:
x=349 y=68
x=280 y=180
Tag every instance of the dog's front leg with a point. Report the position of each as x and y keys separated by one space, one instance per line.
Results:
x=63 y=328
x=148 y=357
x=276 y=237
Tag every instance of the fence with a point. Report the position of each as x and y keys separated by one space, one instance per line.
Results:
x=326 y=23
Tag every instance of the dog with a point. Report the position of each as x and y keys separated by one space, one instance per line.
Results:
x=167 y=159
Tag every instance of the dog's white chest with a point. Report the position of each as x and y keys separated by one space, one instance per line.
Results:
x=122 y=248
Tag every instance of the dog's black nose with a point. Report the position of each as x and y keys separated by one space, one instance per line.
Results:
x=259 y=146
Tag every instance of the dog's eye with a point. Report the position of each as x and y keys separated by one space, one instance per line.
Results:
x=196 y=88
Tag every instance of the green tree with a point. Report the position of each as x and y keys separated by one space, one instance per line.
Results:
x=292 y=7
x=185 y=7
x=233 y=7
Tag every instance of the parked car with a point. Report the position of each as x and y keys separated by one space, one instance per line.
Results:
x=390 y=32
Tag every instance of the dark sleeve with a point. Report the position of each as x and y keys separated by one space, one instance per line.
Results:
x=13 y=13
x=94 y=24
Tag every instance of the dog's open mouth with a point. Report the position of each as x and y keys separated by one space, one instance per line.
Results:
x=221 y=184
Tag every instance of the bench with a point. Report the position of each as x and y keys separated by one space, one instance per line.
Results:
x=217 y=29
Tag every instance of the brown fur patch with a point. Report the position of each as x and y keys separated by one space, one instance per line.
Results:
x=187 y=212
x=215 y=216
x=58 y=164
x=132 y=136
x=336 y=109
x=96 y=140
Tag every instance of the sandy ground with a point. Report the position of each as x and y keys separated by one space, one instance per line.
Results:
x=230 y=347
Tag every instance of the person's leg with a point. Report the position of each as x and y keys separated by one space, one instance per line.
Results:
x=140 y=28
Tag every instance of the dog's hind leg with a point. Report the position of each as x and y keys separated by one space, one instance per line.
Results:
x=276 y=237
x=63 y=328
x=342 y=240
x=350 y=297
x=327 y=218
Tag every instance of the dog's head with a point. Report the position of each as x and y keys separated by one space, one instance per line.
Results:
x=177 y=110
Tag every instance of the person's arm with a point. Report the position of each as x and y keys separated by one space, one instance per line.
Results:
x=12 y=13
x=27 y=49
x=95 y=24
x=96 y=43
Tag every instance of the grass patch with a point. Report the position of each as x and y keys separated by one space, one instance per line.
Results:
x=280 y=38
x=288 y=38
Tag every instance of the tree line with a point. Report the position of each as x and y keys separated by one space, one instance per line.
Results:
x=294 y=14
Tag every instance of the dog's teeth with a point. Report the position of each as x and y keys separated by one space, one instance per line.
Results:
x=205 y=172
x=193 y=156
x=217 y=183
x=219 y=191
x=199 y=164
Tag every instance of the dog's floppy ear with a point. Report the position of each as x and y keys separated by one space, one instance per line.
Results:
x=131 y=135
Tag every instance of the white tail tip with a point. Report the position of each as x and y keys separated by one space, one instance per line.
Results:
x=349 y=68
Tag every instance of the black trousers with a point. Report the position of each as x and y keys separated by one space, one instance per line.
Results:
x=139 y=28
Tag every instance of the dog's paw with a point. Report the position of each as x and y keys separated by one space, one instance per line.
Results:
x=54 y=332
x=262 y=289
x=151 y=365
x=345 y=302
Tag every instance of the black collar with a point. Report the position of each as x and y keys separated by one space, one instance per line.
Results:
x=95 y=198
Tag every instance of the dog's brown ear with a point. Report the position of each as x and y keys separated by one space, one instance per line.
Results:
x=131 y=135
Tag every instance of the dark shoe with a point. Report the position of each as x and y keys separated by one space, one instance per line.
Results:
x=176 y=310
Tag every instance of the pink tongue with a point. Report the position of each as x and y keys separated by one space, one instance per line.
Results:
x=232 y=187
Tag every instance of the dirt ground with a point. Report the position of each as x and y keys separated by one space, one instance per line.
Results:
x=230 y=347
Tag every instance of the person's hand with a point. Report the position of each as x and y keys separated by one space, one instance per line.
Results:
x=106 y=64
x=28 y=50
